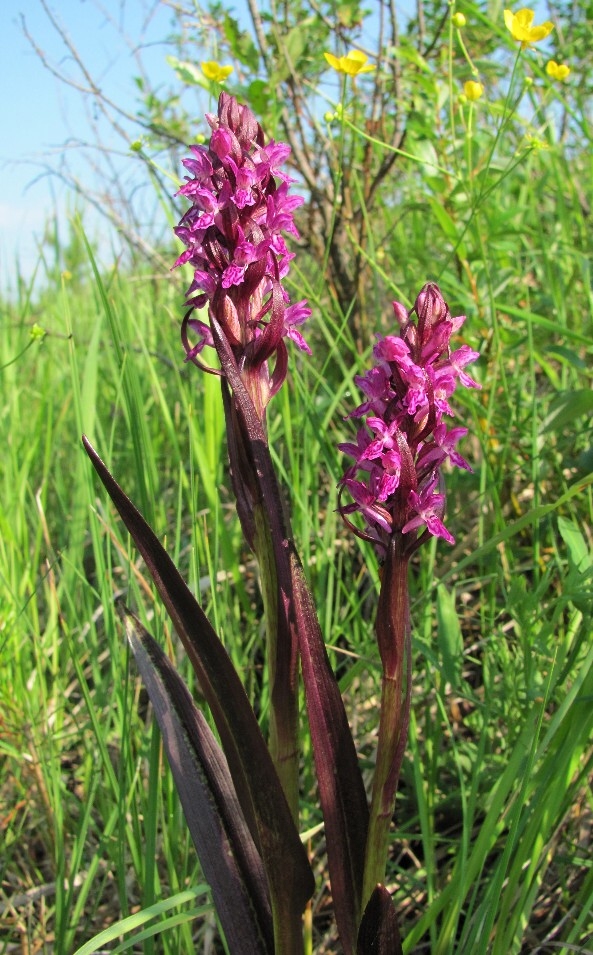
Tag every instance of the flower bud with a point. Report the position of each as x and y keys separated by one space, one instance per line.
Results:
x=430 y=308
x=473 y=90
x=401 y=314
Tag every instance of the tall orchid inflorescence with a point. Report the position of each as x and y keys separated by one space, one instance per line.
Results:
x=404 y=440
x=241 y=206
x=234 y=233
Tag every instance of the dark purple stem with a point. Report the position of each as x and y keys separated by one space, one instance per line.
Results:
x=394 y=639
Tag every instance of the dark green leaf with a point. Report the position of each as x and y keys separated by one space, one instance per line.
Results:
x=295 y=41
x=576 y=545
x=566 y=407
x=567 y=355
x=242 y=46
x=379 y=933
x=231 y=864
x=255 y=779
x=449 y=637
x=258 y=94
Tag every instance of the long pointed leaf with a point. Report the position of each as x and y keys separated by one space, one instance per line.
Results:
x=231 y=864
x=282 y=645
x=256 y=782
x=341 y=788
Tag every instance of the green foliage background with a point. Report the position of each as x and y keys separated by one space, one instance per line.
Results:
x=405 y=181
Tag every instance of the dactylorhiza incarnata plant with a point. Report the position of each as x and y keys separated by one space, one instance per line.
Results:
x=397 y=486
x=240 y=792
x=241 y=208
x=241 y=795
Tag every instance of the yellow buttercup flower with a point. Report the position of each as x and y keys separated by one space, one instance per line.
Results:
x=214 y=71
x=353 y=63
x=473 y=90
x=557 y=71
x=521 y=26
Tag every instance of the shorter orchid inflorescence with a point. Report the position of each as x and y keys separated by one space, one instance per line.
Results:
x=395 y=482
x=233 y=231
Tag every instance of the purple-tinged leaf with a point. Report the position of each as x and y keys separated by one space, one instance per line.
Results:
x=231 y=864
x=379 y=932
x=255 y=779
x=341 y=789
x=261 y=514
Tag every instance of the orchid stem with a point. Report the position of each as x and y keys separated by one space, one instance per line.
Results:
x=394 y=637
x=284 y=712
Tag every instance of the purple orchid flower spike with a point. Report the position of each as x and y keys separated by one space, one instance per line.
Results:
x=405 y=441
x=234 y=233
x=241 y=209
x=397 y=487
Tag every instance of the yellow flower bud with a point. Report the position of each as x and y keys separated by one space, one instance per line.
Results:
x=37 y=333
x=473 y=90
x=459 y=20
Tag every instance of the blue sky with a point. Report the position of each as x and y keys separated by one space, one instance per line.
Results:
x=40 y=114
x=42 y=117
